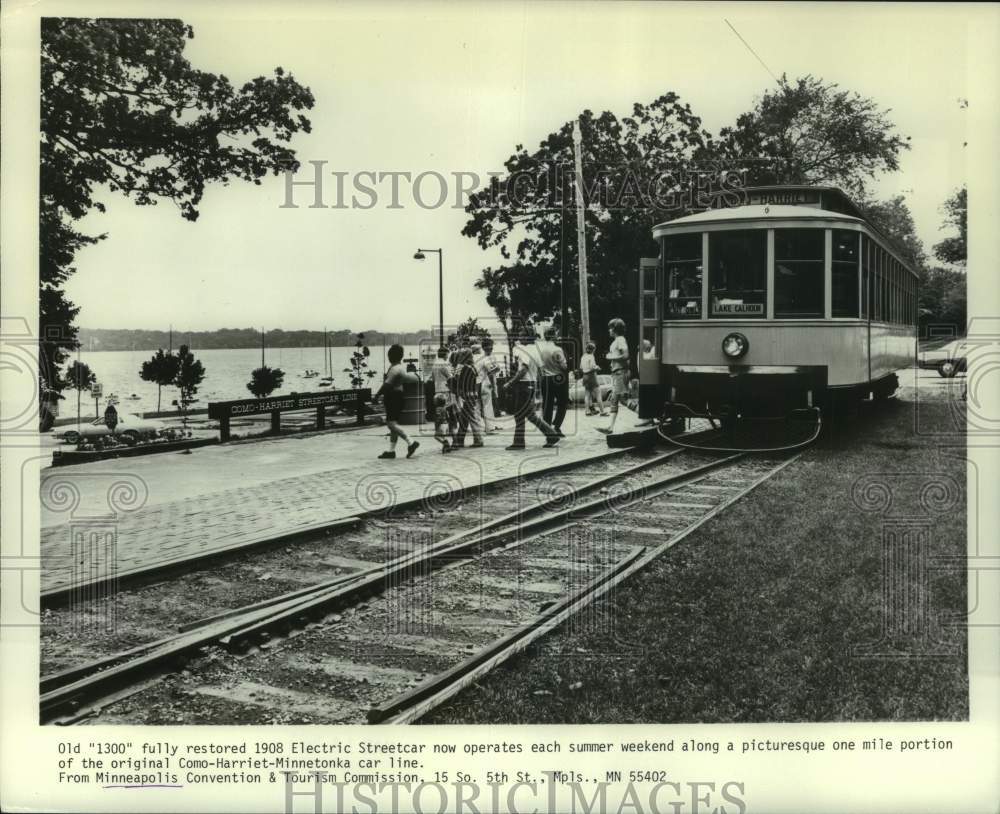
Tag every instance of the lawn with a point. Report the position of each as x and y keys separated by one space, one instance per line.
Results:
x=774 y=610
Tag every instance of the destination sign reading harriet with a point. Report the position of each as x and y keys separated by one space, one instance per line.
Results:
x=795 y=196
x=737 y=308
x=296 y=401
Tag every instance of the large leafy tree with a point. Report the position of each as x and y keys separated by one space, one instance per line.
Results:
x=631 y=176
x=122 y=109
x=809 y=131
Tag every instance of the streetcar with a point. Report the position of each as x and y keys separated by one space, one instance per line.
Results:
x=773 y=301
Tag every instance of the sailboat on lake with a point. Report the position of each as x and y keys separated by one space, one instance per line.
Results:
x=327 y=380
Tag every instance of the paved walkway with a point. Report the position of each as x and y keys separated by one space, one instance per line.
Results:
x=136 y=512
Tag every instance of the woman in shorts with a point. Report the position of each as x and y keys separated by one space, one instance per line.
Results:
x=392 y=393
x=618 y=356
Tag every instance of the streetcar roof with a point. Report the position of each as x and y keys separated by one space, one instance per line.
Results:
x=757 y=212
x=807 y=206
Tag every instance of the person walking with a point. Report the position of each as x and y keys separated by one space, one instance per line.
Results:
x=467 y=393
x=487 y=367
x=618 y=357
x=441 y=374
x=589 y=382
x=555 y=380
x=392 y=393
x=527 y=365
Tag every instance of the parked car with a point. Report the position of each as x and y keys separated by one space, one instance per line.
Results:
x=948 y=360
x=130 y=427
x=576 y=391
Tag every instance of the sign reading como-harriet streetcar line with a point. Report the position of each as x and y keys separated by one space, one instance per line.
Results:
x=225 y=410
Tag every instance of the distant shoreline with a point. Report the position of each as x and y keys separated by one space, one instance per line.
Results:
x=126 y=339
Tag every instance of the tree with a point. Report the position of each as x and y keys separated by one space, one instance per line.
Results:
x=467 y=330
x=358 y=370
x=123 y=109
x=955 y=249
x=631 y=181
x=943 y=298
x=80 y=377
x=162 y=370
x=190 y=373
x=811 y=132
x=894 y=219
x=265 y=380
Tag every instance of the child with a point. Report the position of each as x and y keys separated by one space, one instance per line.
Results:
x=591 y=386
x=618 y=356
x=441 y=429
x=633 y=395
x=392 y=391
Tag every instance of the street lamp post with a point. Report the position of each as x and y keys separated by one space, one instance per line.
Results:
x=440 y=253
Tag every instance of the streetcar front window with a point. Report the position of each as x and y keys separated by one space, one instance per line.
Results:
x=682 y=265
x=737 y=276
x=798 y=273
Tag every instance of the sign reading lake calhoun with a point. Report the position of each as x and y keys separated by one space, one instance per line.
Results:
x=295 y=401
x=737 y=308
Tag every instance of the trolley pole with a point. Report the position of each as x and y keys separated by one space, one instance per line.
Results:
x=581 y=235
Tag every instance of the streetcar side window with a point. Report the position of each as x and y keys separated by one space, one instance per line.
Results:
x=798 y=273
x=737 y=275
x=845 y=273
x=682 y=263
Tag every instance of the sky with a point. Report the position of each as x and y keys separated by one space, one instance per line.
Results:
x=453 y=88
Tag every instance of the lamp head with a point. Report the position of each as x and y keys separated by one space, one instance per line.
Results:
x=418 y=256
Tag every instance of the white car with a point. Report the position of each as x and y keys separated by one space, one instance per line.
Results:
x=577 y=393
x=947 y=360
x=130 y=427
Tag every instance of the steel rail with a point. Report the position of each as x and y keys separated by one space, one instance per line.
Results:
x=71 y=688
x=414 y=703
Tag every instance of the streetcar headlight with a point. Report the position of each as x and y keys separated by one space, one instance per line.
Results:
x=735 y=345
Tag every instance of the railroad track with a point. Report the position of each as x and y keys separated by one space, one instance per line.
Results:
x=387 y=642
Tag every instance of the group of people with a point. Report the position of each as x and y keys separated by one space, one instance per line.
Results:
x=465 y=392
x=464 y=381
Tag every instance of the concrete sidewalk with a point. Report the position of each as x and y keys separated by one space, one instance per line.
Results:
x=118 y=516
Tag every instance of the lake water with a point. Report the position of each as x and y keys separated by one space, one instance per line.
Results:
x=227 y=372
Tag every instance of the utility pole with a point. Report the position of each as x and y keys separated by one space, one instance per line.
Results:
x=581 y=235
x=262 y=346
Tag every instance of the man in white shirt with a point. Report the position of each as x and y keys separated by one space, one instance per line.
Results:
x=527 y=366
x=555 y=380
x=618 y=358
x=487 y=367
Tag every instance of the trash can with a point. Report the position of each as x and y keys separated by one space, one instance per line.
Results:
x=413 y=399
